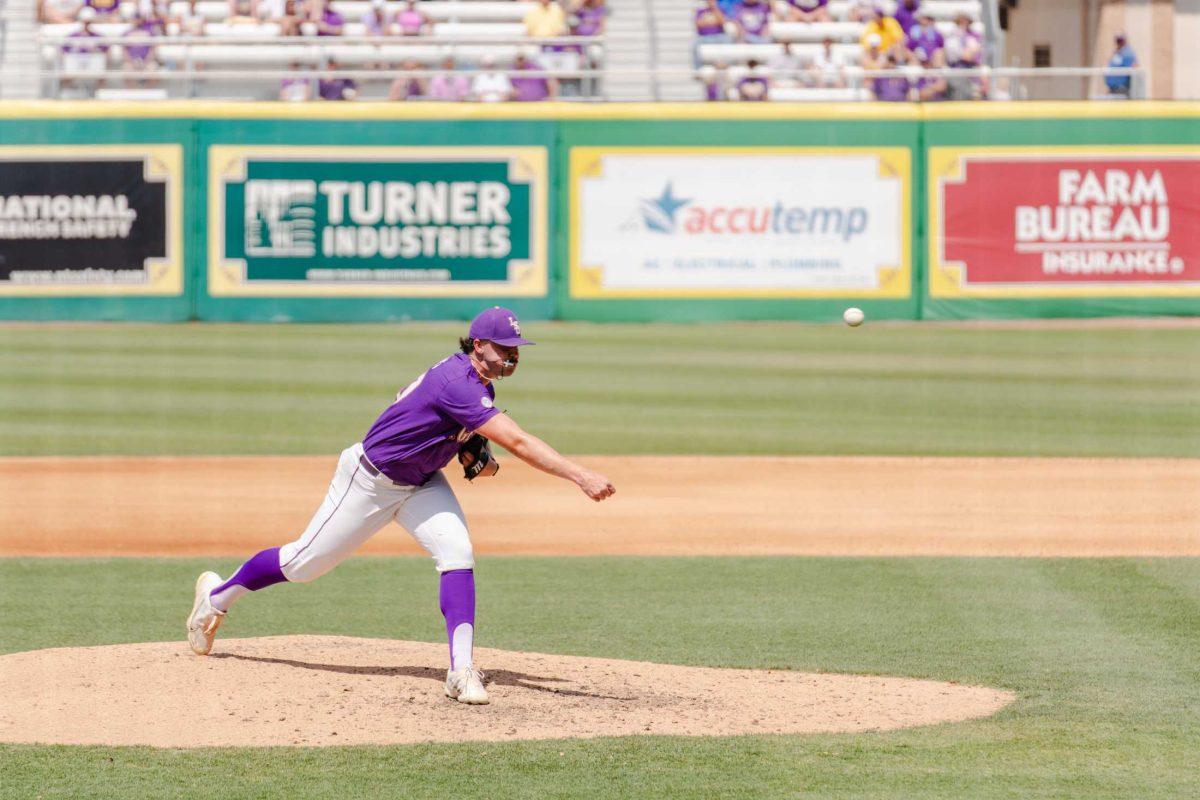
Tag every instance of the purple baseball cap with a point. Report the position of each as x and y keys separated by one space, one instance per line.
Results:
x=497 y=325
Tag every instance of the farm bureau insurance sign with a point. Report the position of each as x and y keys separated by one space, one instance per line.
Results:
x=336 y=221
x=90 y=220
x=1024 y=222
x=740 y=222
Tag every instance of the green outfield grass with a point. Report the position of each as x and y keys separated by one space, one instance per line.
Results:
x=723 y=388
x=1102 y=653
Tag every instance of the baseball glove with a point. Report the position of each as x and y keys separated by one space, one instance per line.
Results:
x=476 y=457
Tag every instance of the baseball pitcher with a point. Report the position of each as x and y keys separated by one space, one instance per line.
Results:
x=395 y=474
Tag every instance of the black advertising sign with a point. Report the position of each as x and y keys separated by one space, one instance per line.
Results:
x=80 y=220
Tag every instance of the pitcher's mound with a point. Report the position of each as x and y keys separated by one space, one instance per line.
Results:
x=328 y=690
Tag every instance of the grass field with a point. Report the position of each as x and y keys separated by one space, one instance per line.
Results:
x=739 y=389
x=1104 y=654
x=1101 y=652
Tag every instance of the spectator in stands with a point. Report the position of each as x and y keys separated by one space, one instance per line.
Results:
x=808 y=11
x=710 y=23
x=713 y=78
x=327 y=21
x=489 y=84
x=825 y=70
x=80 y=55
x=412 y=21
x=885 y=27
x=785 y=66
x=1123 y=57
x=407 y=86
x=906 y=14
x=930 y=87
x=139 y=57
x=58 y=12
x=449 y=85
x=375 y=20
x=242 y=12
x=964 y=47
x=892 y=88
x=753 y=18
x=710 y=28
x=534 y=87
x=860 y=10
x=964 y=50
x=590 y=19
x=106 y=10
x=545 y=20
x=287 y=15
x=188 y=20
x=295 y=88
x=873 y=55
x=924 y=40
x=334 y=88
x=754 y=85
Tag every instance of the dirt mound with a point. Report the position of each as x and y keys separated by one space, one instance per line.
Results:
x=330 y=690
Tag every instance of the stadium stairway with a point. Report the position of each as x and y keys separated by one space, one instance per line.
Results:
x=629 y=55
x=674 y=36
x=20 y=61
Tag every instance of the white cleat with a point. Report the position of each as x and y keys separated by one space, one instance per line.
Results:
x=204 y=620
x=466 y=686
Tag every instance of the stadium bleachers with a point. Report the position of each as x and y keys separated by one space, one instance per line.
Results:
x=199 y=37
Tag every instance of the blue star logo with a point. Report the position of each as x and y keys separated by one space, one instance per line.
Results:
x=659 y=213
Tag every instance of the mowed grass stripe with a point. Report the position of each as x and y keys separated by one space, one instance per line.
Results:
x=1102 y=652
x=718 y=389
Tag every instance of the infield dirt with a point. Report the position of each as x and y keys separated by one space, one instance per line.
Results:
x=678 y=505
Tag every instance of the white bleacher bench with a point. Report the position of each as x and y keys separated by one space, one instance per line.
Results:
x=805 y=94
x=738 y=53
x=451 y=10
x=816 y=31
x=463 y=30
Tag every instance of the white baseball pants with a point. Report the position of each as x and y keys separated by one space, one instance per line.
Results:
x=359 y=504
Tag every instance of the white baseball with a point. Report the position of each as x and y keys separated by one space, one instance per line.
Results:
x=853 y=317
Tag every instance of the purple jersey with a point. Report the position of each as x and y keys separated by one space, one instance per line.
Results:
x=708 y=22
x=418 y=434
x=753 y=17
x=925 y=41
x=906 y=15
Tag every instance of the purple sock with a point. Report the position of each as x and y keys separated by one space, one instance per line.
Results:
x=457 y=595
x=261 y=571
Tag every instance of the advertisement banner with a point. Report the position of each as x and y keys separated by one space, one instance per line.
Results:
x=377 y=221
x=777 y=222
x=1064 y=221
x=91 y=220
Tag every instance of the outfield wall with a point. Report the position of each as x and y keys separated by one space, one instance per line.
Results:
x=626 y=212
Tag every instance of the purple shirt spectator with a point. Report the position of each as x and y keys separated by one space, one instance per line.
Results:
x=331 y=19
x=529 y=88
x=449 y=87
x=146 y=29
x=708 y=23
x=410 y=22
x=753 y=18
x=906 y=14
x=103 y=6
x=84 y=47
x=891 y=90
x=753 y=88
x=591 y=18
x=418 y=434
x=808 y=5
x=336 y=88
x=924 y=40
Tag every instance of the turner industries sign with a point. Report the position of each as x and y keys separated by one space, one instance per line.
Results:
x=386 y=221
x=1120 y=221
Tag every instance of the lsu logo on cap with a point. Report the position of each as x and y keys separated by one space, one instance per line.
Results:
x=516 y=326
